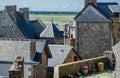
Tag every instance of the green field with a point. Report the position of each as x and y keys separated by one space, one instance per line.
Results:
x=56 y=18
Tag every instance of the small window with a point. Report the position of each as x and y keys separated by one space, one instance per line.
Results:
x=75 y=58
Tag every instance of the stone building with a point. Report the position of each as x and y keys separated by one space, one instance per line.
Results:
x=35 y=53
x=115 y=21
x=16 y=24
x=61 y=54
x=94 y=29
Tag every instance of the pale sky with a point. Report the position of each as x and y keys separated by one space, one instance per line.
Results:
x=49 y=5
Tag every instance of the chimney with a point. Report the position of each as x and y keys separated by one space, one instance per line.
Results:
x=70 y=41
x=25 y=12
x=90 y=1
x=11 y=9
x=17 y=69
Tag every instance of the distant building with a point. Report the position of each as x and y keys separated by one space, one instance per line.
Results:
x=16 y=24
x=94 y=28
x=35 y=53
x=61 y=54
x=52 y=34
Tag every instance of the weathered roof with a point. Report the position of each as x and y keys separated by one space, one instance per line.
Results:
x=31 y=29
x=26 y=30
x=51 y=31
x=40 y=46
x=5 y=15
x=59 y=53
x=11 y=49
x=104 y=8
x=96 y=13
x=115 y=8
x=90 y=13
x=38 y=26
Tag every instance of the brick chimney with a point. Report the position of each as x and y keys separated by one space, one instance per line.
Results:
x=90 y=1
x=11 y=9
x=70 y=41
x=17 y=69
x=25 y=12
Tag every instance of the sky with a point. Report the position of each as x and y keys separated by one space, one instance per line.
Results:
x=49 y=5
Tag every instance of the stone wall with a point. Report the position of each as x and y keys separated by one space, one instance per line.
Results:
x=40 y=71
x=74 y=67
x=70 y=57
x=115 y=31
x=92 y=39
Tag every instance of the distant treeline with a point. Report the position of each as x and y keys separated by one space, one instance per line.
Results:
x=53 y=12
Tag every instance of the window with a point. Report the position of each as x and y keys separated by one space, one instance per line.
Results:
x=75 y=58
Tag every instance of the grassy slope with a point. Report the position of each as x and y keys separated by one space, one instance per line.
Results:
x=57 y=18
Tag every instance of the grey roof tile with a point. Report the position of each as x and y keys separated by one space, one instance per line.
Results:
x=29 y=30
x=93 y=15
x=11 y=49
x=104 y=8
x=59 y=53
x=38 y=26
x=51 y=31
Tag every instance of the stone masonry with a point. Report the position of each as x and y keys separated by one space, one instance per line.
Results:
x=92 y=39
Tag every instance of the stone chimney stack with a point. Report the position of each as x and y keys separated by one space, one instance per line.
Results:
x=25 y=12
x=17 y=69
x=11 y=9
x=90 y=1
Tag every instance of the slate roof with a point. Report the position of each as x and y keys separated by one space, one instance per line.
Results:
x=104 y=8
x=59 y=53
x=26 y=30
x=8 y=22
x=51 y=31
x=115 y=8
x=8 y=52
x=38 y=26
x=92 y=15
x=31 y=29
